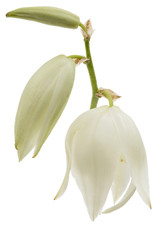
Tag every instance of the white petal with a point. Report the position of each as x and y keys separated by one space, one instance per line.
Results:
x=68 y=144
x=134 y=152
x=62 y=90
x=30 y=120
x=121 y=179
x=69 y=140
x=66 y=178
x=95 y=154
x=124 y=200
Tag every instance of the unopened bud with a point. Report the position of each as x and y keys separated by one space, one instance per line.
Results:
x=47 y=15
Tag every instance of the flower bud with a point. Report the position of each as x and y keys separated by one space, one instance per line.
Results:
x=47 y=15
x=105 y=152
x=42 y=103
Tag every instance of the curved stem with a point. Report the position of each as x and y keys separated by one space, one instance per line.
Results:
x=83 y=27
x=92 y=75
x=76 y=56
x=109 y=97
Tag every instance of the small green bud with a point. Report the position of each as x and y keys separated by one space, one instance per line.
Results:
x=47 y=15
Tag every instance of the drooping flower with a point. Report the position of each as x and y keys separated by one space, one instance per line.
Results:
x=42 y=103
x=105 y=151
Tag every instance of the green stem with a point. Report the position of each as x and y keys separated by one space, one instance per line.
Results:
x=92 y=75
x=76 y=56
x=90 y=68
x=83 y=27
x=109 y=97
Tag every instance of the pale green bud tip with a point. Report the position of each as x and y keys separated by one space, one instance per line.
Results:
x=47 y=15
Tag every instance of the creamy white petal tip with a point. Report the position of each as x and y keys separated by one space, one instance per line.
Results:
x=105 y=151
x=64 y=183
x=130 y=191
x=42 y=103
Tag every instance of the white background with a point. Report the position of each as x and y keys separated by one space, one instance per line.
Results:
x=126 y=54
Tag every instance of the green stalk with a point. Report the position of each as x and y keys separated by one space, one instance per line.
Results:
x=83 y=27
x=109 y=97
x=92 y=75
x=76 y=56
x=90 y=67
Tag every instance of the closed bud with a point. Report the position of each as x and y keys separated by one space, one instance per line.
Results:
x=47 y=15
x=42 y=103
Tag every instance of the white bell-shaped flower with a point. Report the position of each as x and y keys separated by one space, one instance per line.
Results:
x=42 y=103
x=105 y=151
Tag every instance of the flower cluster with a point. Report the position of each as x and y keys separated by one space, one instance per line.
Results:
x=103 y=145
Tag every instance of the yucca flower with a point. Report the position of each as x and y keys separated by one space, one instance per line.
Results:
x=105 y=151
x=42 y=103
